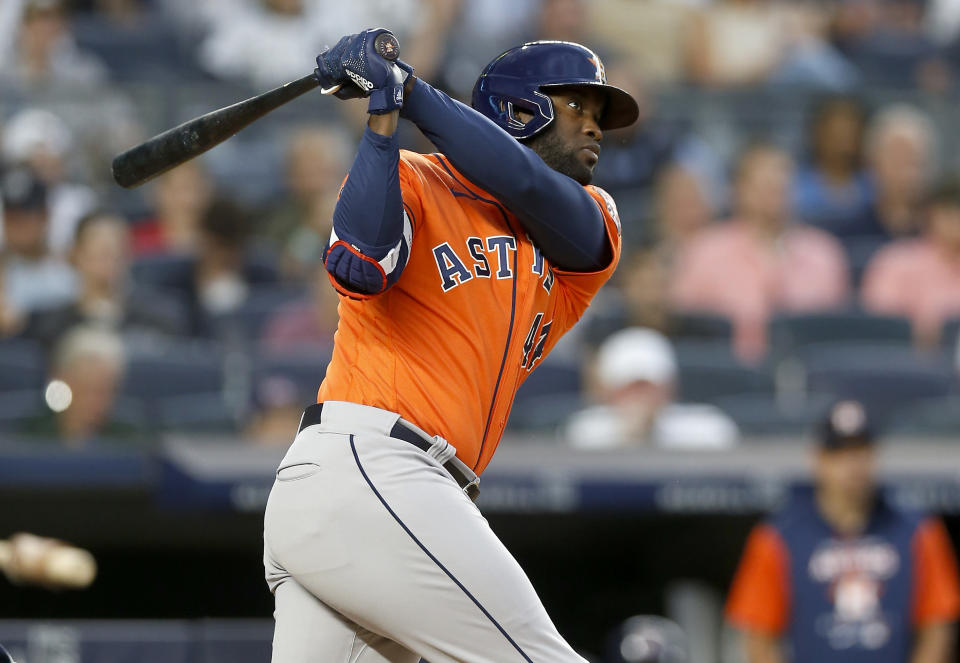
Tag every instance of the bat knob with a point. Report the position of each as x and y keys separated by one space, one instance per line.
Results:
x=387 y=46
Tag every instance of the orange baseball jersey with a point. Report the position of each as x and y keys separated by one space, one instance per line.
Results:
x=845 y=598
x=476 y=308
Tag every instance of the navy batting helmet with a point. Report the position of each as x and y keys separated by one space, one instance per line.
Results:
x=521 y=77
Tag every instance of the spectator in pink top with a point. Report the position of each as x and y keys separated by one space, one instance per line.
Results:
x=920 y=278
x=760 y=262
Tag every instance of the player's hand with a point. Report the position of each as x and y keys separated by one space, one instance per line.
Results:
x=356 y=64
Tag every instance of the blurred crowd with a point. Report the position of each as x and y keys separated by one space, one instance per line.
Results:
x=791 y=213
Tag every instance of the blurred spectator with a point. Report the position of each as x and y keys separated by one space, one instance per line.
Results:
x=633 y=157
x=219 y=277
x=107 y=297
x=37 y=49
x=33 y=279
x=43 y=141
x=888 y=42
x=649 y=34
x=841 y=574
x=899 y=151
x=759 y=262
x=299 y=227
x=86 y=372
x=479 y=29
x=681 y=207
x=180 y=199
x=564 y=20
x=270 y=42
x=920 y=278
x=635 y=379
x=306 y=324
x=734 y=43
x=831 y=190
x=638 y=298
x=277 y=410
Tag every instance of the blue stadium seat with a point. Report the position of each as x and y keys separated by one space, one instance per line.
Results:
x=884 y=376
x=196 y=413
x=249 y=321
x=305 y=370
x=935 y=417
x=950 y=337
x=702 y=327
x=765 y=414
x=550 y=379
x=22 y=365
x=708 y=371
x=164 y=271
x=860 y=251
x=17 y=407
x=791 y=331
x=175 y=369
x=148 y=51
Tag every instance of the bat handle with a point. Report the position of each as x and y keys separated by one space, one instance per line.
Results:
x=386 y=45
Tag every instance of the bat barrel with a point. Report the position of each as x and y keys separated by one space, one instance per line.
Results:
x=182 y=143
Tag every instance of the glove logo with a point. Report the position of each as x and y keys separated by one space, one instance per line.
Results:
x=361 y=82
x=398 y=96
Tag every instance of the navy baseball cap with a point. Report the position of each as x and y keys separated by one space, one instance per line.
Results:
x=21 y=189
x=846 y=425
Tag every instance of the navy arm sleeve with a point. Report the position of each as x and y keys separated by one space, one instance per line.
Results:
x=558 y=213
x=370 y=243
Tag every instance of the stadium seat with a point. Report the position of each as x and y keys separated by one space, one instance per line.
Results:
x=18 y=407
x=860 y=251
x=765 y=414
x=250 y=319
x=935 y=417
x=791 y=331
x=882 y=375
x=708 y=371
x=701 y=327
x=551 y=378
x=950 y=338
x=196 y=413
x=305 y=370
x=22 y=365
x=544 y=414
x=174 y=369
x=164 y=271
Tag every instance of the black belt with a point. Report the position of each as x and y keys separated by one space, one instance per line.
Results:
x=400 y=431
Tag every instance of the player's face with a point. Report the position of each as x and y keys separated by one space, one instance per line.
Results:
x=847 y=473
x=571 y=143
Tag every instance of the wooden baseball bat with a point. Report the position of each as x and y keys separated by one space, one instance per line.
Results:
x=30 y=559
x=173 y=147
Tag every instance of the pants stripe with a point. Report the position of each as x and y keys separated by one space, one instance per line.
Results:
x=356 y=457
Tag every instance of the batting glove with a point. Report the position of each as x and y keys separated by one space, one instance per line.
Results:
x=361 y=71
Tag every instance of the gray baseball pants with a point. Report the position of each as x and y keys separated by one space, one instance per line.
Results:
x=375 y=554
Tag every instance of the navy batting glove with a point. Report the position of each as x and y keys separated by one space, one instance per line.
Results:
x=389 y=97
x=354 y=63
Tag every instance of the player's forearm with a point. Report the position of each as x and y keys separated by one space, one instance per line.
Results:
x=370 y=242
x=369 y=212
x=558 y=213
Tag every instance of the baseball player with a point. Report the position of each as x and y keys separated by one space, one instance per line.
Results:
x=458 y=272
x=841 y=575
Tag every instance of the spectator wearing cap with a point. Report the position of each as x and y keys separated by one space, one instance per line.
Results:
x=761 y=261
x=839 y=574
x=920 y=278
x=635 y=381
x=32 y=278
x=42 y=141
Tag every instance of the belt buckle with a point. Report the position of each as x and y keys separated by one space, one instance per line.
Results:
x=472 y=489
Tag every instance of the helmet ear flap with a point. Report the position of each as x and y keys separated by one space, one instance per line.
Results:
x=507 y=109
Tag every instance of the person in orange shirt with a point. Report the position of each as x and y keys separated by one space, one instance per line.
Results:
x=458 y=272
x=841 y=574
x=920 y=278
x=761 y=261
